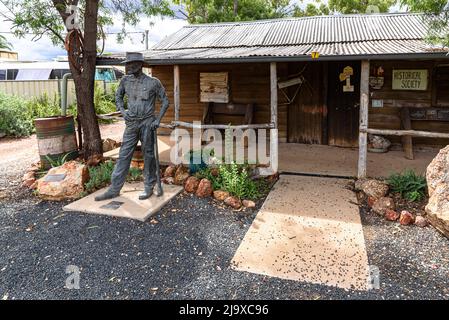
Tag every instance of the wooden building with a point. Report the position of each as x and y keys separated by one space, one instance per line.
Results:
x=318 y=80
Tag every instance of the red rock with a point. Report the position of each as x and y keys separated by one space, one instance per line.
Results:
x=371 y=201
x=204 y=189
x=421 y=222
x=64 y=182
x=93 y=160
x=181 y=175
x=381 y=205
x=138 y=164
x=406 y=218
x=170 y=171
x=391 y=215
x=27 y=176
x=34 y=185
x=168 y=180
x=214 y=172
x=221 y=195
x=374 y=188
x=28 y=182
x=191 y=184
x=233 y=202
x=109 y=144
x=437 y=208
x=249 y=203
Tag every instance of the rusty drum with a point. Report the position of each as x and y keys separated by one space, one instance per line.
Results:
x=56 y=140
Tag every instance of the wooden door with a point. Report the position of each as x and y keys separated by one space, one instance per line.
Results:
x=343 y=103
x=306 y=113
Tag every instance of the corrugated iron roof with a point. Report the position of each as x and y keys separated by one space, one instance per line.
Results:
x=342 y=35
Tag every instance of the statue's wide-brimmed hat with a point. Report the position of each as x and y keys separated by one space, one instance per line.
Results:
x=134 y=56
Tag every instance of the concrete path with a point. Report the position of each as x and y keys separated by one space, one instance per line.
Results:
x=342 y=162
x=308 y=229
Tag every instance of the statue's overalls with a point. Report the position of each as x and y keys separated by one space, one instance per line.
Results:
x=142 y=92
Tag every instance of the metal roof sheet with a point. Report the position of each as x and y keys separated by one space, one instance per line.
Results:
x=337 y=35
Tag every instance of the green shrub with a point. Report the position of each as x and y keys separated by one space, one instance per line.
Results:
x=17 y=114
x=135 y=174
x=234 y=179
x=104 y=102
x=99 y=176
x=206 y=173
x=408 y=184
x=15 y=119
x=59 y=161
x=44 y=106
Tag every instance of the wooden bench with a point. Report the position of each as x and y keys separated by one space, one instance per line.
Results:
x=213 y=111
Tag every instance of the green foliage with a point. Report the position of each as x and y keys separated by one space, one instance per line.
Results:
x=104 y=101
x=17 y=114
x=99 y=176
x=4 y=44
x=59 y=161
x=234 y=179
x=41 y=17
x=44 y=106
x=207 y=173
x=208 y=11
x=357 y=6
x=135 y=174
x=436 y=14
x=408 y=184
x=15 y=119
x=315 y=8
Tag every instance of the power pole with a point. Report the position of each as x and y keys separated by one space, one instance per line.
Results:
x=146 y=39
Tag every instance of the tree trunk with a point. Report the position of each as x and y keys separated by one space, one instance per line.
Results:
x=85 y=82
x=236 y=6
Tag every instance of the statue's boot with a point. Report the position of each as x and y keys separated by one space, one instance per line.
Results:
x=148 y=192
x=107 y=195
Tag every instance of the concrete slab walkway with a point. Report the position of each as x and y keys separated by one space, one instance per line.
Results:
x=342 y=162
x=308 y=229
x=128 y=204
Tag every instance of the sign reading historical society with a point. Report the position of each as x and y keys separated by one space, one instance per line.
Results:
x=410 y=79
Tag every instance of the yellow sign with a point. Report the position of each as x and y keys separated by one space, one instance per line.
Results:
x=346 y=76
x=315 y=55
x=348 y=71
x=410 y=80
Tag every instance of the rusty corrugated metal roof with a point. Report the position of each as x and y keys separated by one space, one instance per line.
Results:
x=331 y=36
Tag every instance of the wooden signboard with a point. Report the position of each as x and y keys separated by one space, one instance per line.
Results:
x=415 y=80
x=437 y=114
x=214 y=87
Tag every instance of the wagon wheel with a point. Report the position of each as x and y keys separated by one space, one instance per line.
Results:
x=74 y=43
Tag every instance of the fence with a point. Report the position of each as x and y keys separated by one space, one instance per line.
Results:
x=36 y=88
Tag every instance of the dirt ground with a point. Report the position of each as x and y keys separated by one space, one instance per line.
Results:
x=16 y=155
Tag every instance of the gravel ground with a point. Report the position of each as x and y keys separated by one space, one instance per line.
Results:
x=186 y=255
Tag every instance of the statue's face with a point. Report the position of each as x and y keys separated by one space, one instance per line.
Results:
x=134 y=67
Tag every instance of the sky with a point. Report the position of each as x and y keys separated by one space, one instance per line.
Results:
x=43 y=49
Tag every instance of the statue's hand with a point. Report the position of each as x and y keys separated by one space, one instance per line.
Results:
x=125 y=115
x=154 y=125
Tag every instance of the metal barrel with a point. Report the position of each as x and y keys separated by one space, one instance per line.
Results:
x=56 y=140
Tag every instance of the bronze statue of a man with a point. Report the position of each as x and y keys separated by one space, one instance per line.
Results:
x=141 y=122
